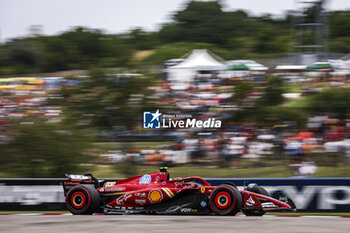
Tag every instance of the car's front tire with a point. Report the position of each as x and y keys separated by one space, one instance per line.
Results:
x=82 y=199
x=253 y=212
x=257 y=189
x=225 y=200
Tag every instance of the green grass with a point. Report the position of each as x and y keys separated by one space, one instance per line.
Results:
x=302 y=102
x=104 y=147
x=123 y=171
x=338 y=171
x=109 y=171
x=184 y=171
x=293 y=88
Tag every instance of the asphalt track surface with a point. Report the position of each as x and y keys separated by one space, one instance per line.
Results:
x=154 y=223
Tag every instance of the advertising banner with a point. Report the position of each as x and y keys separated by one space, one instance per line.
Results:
x=309 y=194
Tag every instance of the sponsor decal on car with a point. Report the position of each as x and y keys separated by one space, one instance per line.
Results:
x=109 y=184
x=70 y=183
x=113 y=189
x=121 y=200
x=146 y=179
x=157 y=179
x=250 y=202
x=186 y=210
x=155 y=195
x=140 y=201
x=268 y=205
x=203 y=204
x=140 y=194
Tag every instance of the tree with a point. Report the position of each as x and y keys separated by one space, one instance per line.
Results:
x=241 y=91
x=339 y=24
x=236 y=33
x=2 y=59
x=44 y=150
x=202 y=22
x=141 y=40
x=23 y=54
x=207 y=22
x=333 y=100
x=171 y=32
x=55 y=55
x=273 y=92
x=340 y=45
x=104 y=101
x=83 y=48
x=265 y=41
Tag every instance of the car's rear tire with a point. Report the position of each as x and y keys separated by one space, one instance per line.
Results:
x=82 y=199
x=225 y=200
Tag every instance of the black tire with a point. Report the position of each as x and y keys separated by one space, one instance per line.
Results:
x=264 y=192
x=253 y=212
x=82 y=199
x=225 y=200
x=257 y=189
x=291 y=203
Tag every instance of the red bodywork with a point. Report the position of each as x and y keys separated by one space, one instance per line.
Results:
x=256 y=201
x=137 y=191
x=155 y=188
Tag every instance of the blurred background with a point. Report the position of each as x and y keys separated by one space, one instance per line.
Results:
x=75 y=79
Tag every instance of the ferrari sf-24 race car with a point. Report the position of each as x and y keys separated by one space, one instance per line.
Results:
x=156 y=193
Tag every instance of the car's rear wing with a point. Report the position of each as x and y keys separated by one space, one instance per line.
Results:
x=78 y=177
x=73 y=180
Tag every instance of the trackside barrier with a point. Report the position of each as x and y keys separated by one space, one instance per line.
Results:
x=309 y=194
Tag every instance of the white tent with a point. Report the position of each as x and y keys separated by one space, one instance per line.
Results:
x=182 y=74
x=252 y=65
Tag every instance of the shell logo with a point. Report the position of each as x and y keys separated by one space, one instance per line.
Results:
x=155 y=195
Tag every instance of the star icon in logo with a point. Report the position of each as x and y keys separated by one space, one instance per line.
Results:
x=156 y=115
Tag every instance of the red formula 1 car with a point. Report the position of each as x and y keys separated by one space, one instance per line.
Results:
x=155 y=193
